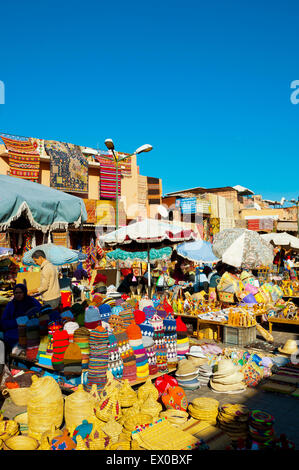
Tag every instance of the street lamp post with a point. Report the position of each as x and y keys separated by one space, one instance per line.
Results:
x=110 y=146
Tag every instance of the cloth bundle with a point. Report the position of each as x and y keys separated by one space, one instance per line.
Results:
x=98 y=358
x=81 y=338
x=135 y=340
x=115 y=363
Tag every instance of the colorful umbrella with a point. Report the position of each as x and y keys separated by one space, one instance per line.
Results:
x=242 y=248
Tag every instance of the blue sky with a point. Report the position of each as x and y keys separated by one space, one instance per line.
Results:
x=206 y=83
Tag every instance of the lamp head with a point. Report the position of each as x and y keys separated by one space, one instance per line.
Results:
x=109 y=144
x=144 y=148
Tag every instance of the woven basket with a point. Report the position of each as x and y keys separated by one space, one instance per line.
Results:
x=19 y=396
x=176 y=417
x=81 y=444
x=20 y=443
x=109 y=407
x=127 y=396
x=8 y=429
x=138 y=420
x=22 y=420
x=147 y=389
x=151 y=407
x=78 y=406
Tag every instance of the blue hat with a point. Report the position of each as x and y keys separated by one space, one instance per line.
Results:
x=67 y=314
x=92 y=317
x=105 y=311
x=149 y=311
x=116 y=310
x=169 y=323
x=22 y=320
x=146 y=328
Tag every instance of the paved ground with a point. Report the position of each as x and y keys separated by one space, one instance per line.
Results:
x=284 y=408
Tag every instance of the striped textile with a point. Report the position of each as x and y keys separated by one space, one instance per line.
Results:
x=126 y=165
x=60 y=238
x=24 y=159
x=241 y=223
x=98 y=358
x=91 y=208
x=153 y=190
x=39 y=145
x=108 y=178
x=4 y=240
x=253 y=224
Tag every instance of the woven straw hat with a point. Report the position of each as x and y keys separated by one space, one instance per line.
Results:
x=230 y=379
x=225 y=368
x=196 y=351
x=185 y=368
x=237 y=387
x=197 y=361
x=289 y=348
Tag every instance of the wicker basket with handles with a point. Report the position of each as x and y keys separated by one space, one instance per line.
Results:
x=19 y=396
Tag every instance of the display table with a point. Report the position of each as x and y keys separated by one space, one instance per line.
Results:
x=199 y=322
x=283 y=321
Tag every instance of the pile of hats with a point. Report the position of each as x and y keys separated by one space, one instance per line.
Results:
x=147 y=329
x=92 y=317
x=150 y=350
x=182 y=338
x=227 y=378
x=81 y=338
x=116 y=310
x=170 y=339
x=139 y=316
x=149 y=311
x=135 y=340
x=159 y=340
x=186 y=375
x=261 y=427
x=44 y=318
x=161 y=311
x=52 y=328
x=98 y=358
x=233 y=420
x=21 y=322
x=126 y=354
x=127 y=317
x=145 y=302
x=204 y=409
x=115 y=363
x=115 y=321
x=289 y=348
x=197 y=357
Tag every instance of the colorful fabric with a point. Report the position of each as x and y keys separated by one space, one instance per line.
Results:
x=91 y=209
x=215 y=225
x=24 y=159
x=253 y=224
x=108 y=178
x=98 y=358
x=4 y=240
x=126 y=165
x=68 y=167
x=175 y=398
x=60 y=238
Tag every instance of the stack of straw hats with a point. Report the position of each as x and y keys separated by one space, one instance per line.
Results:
x=289 y=348
x=204 y=409
x=98 y=358
x=233 y=420
x=227 y=378
x=261 y=427
x=186 y=375
x=199 y=360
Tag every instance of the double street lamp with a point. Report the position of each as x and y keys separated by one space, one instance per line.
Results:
x=110 y=146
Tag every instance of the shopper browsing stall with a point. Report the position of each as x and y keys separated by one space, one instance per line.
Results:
x=49 y=286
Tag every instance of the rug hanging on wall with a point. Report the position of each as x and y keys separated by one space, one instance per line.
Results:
x=107 y=185
x=68 y=167
x=91 y=209
x=24 y=159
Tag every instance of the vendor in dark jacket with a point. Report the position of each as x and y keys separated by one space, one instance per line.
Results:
x=22 y=304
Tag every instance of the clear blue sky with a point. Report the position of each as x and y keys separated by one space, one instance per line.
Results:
x=206 y=83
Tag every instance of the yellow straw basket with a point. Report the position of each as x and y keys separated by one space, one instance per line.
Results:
x=8 y=429
x=19 y=396
x=22 y=420
x=20 y=443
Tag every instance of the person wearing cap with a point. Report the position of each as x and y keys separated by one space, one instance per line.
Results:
x=49 y=284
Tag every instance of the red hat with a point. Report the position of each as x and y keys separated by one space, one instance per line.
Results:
x=180 y=325
x=167 y=307
x=139 y=316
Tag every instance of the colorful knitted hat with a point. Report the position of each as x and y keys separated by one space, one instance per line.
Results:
x=97 y=300
x=169 y=323
x=161 y=311
x=134 y=332
x=71 y=327
x=147 y=328
x=72 y=360
x=67 y=314
x=149 y=312
x=21 y=322
x=147 y=341
x=105 y=312
x=145 y=303
x=60 y=343
x=157 y=323
x=116 y=310
x=127 y=317
x=180 y=325
x=92 y=317
x=139 y=316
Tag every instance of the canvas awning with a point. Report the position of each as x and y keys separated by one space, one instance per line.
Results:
x=46 y=208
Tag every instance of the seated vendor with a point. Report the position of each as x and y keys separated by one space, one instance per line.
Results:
x=201 y=281
x=21 y=305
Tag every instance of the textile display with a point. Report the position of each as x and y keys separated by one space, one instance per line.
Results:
x=203 y=206
x=39 y=145
x=60 y=238
x=253 y=224
x=108 y=177
x=24 y=159
x=200 y=229
x=214 y=225
x=226 y=223
x=241 y=223
x=125 y=165
x=91 y=209
x=68 y=167
x=4 y=240
x=153 y=190
x=105 y=213
x=213 y=198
